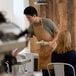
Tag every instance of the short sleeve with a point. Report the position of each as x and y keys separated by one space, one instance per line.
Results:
x=31 y=31
x=52 y=25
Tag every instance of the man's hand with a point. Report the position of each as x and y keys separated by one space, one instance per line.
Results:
x=50 y=43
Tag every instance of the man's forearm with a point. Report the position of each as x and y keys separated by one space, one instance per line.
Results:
x=55 y=36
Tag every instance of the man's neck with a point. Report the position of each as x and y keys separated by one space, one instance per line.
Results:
x=37 y=20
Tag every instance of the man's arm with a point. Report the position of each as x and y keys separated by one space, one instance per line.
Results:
x=15 y=52
x=22 y=33
x=29 y=35
x=56 y=33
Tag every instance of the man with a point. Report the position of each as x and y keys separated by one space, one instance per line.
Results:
x=45 y=31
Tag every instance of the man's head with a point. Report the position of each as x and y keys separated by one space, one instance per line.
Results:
x=30 y=13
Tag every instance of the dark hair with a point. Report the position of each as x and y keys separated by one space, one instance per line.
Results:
x=30 y=11
x=2 y=18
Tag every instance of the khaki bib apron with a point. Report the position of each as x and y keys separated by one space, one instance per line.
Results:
x=44 y=51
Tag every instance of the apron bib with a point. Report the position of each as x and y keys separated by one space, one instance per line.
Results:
x=44 y=51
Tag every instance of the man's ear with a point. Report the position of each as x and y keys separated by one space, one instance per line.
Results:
x=34 y=15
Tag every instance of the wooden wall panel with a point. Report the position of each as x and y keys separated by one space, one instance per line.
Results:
x=56 y=17
x=62 y=9
x=49 y=10
x=42 y=10
x=75 y=23
x=70 y=25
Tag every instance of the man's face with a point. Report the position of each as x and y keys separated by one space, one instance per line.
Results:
x=30 y=18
